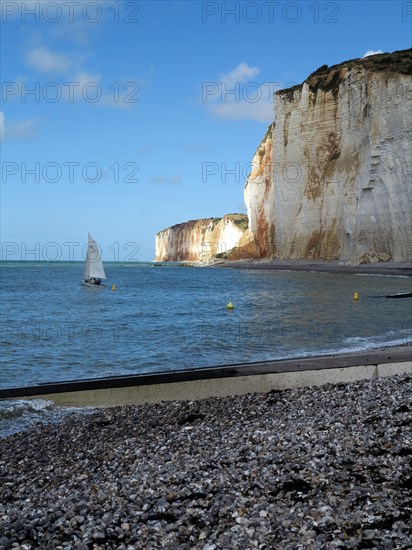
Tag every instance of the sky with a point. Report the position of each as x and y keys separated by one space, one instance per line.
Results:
x=122 y=118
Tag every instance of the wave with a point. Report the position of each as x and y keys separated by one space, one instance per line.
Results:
x=20 y=407
x=350 y=344
x=20 y=415
x=366 y=343
x=381 y=275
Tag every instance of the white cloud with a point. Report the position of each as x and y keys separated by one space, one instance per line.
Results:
x=82 y=86
x=166 y=179
x=242 y=73
x=83 y=79
x=261 y=111
x=46 y=61
x=237 y=96
x=121 y=96
x=17 y=129
x=2 y=126
x=22 y=129
x=372 y=52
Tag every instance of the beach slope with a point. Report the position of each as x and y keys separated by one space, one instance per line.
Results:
x=325 y=467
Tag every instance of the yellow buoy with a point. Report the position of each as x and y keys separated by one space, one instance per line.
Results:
x=114 y=287
x=355 y=296
x=230 y=305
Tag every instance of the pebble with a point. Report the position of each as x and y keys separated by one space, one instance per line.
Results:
x=312 y=468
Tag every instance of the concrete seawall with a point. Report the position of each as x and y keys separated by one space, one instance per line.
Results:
x=221 y=380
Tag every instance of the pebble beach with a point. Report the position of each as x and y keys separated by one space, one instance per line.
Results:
x=312 y=468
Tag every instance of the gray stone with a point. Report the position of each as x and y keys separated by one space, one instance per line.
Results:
x=331 y=471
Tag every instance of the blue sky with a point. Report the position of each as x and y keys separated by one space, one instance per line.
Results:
x=146 y=114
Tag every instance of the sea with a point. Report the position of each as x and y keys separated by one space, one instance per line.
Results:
x=161 y=318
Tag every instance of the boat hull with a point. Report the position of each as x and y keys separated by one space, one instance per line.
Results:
x=94 y=285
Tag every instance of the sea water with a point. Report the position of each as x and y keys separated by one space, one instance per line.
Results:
x=169 y=318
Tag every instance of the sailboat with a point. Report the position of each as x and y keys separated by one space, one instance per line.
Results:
x=93 y=269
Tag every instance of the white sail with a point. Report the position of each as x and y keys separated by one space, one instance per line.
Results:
x=94 y=265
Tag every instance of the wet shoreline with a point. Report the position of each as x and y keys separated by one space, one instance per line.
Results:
x=380 y=268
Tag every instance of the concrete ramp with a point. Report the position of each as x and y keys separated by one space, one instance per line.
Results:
x=221 y=380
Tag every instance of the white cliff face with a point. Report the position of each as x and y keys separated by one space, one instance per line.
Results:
x=332 y=177
x=258 y=196
x=200 y=240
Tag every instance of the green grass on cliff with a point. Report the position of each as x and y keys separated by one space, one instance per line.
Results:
x=241 y=220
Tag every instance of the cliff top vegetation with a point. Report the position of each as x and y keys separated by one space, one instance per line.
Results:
x=329 y=78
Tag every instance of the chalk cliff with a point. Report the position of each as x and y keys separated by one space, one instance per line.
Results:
x=200 y=240
x=332 y=177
